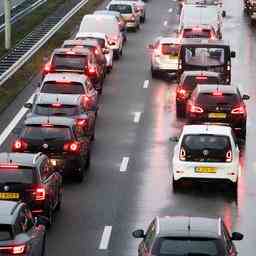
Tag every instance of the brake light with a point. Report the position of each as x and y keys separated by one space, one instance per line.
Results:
x=19 y=145
x=217 y=93
x=40 y=194
x=197 y=29
x=238 y=110
x=96 y=51
x=132 y=18
x=196 y=109
x=91 y=70
x=56 y=105
x=201 y=78
x=16 y=250
x=63 y=81
x=47 y=68
x=72 y=147
x=229 y=156
x=182 y=154
x=70 y=52
x=9 y=166
x=182 y=93
x=47 y=125
x=81 y=122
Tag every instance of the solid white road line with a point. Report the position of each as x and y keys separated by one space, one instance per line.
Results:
x=146 y=84
x=105 y=238
x=14 y=122
x=137 y=116
x=124 y=164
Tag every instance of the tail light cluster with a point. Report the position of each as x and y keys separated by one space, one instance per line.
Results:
x=13 y=250
x=181 y=93
x=229 y=156
x=47 y=68
x=132 y=18
x=238 y=110
x=38 y=192
x=82 y=123
x=91 y=71
x=196 y=109
x=19 y=145
x=72 y=147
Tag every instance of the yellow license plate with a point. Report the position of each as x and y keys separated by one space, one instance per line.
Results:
x=205 y=170
x=7 y=196
x=217 y=115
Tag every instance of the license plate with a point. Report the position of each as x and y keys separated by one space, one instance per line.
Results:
x=217 y=115
x=205 y=170
x=7 y=196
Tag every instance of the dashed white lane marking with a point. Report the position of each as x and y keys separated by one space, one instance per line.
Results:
x=146 y=84
x=105 y=238
x=137 y=116
x=14 y=122
x=165 y=23
x=170 y=10
x=124 y=164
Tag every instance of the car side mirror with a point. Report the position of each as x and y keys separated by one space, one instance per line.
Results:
x=106 y=51
x=41 y=220
x=28 y=105
x=236 y=236
x=139 y=233
x=233 y=54
x=174 y=139
x=246 y=97
x=151 y=46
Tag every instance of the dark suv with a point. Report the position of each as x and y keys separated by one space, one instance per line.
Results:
x=218 y=104
x=73 y=106
x=61 y=139
x=188 y=82
x=31 y=179
x=20 y=233
x=181 y=236
x=76 y=60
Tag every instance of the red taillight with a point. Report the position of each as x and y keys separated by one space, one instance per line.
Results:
x=132 y=18
x=19 y=145
x=9 y=166
x=13 y=250
x=72 y=147
x=182 y=154
x=238 y=110
x=196 y=109
x=200 y=78
x=70 y=53
x=229 y=156
x=91 y=71
x=217 y=93
x=56 y=105
x=197 y=29
x=47 y=125
x=63 y=82
x=96 y=51
x=40 y=194
x=182 y=93
x=47 y=68
x=81 y=122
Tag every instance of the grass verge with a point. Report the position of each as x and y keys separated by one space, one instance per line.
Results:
x=21 y=78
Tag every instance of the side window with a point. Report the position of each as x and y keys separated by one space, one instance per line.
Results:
x=45 y=170
x=150 y=236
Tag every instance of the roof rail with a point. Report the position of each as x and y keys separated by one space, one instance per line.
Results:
x=37 y=156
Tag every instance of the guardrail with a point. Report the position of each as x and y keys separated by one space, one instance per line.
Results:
x=27 y=55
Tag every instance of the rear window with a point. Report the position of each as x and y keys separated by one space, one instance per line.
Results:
x=55 y=133
x=196 y=33
x=5 y=232
x=187 y=246
x=68 y=61
x=63 y=88
x=100 y=41
x=190 y=82
x=224 y=99
x=206 y=147
x=20 y=175
x=122 y=8
x=50 y=110
x=170 y=49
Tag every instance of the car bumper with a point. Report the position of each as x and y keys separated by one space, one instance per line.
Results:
x=165 y=67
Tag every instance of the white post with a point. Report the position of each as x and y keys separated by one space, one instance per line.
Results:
x=7 y=16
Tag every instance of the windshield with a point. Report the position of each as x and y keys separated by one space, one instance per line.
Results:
x=51 y=110
x=203 y=56
x=122 y=8
x=68 y=61
x=63 y=88
x=58 y=133
x=170 y=49
x=20 y=175
x=187 y=247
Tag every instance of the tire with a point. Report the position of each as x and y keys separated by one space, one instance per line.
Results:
x=154 y=73
x=180 y=110
x=223 y=14
x=109 y=69
x=80 y=176
x=234 y=189
x=175 y=185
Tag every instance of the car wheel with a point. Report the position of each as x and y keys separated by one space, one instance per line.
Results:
x=180 y=110
x=224 y=14
x=80 y=175
x=175 y=185
x=234 y=188
x=154 y=73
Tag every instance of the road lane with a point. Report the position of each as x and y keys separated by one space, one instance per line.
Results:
x=131 y=200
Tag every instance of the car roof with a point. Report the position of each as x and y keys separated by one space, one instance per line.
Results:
x=169 y=40
x=95 y=16
x=73 y=77
x=207 y=129
x=108 y=12
x=209 y=88
x=7 y=208
x=55 y=120
x=91 y=34
x=81 y=42
x=179 y=226
x=24 y=159
x=203 y=41
x=191 y=26
x=121 y=2
x=65 y=99
x=75 y=50
x=200 y=73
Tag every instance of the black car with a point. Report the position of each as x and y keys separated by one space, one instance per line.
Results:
x=31 y=179
x=218 y=104
x=73 y=106
x=21 y=234
x=61 y=139
x=76 y=60
x=180 y=236
x=188 y=82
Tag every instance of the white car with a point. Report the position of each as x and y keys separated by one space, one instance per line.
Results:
x=164 y=56
x=208 y=153
x=103 y=41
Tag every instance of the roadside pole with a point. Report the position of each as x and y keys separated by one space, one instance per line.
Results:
x=7 y=16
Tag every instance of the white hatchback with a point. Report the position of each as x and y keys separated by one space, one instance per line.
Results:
x=206 y=153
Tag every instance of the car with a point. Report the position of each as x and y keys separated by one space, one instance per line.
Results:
x=30 y=178
x=108 y=25
x=61 y=139
x=208 y=153
x=76 y=60
x=69 y=84
x=21 y=234
x=73 y=106
x=182 y=235
x=164 y=56
x=120 y=19
x=198 y=31
x=218 y=103
x=92 y=45
x=128 y=11
x=103 y=41
x=188 y=82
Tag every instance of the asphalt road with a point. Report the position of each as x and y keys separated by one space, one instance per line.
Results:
x=136 y=123
x=13 y=3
